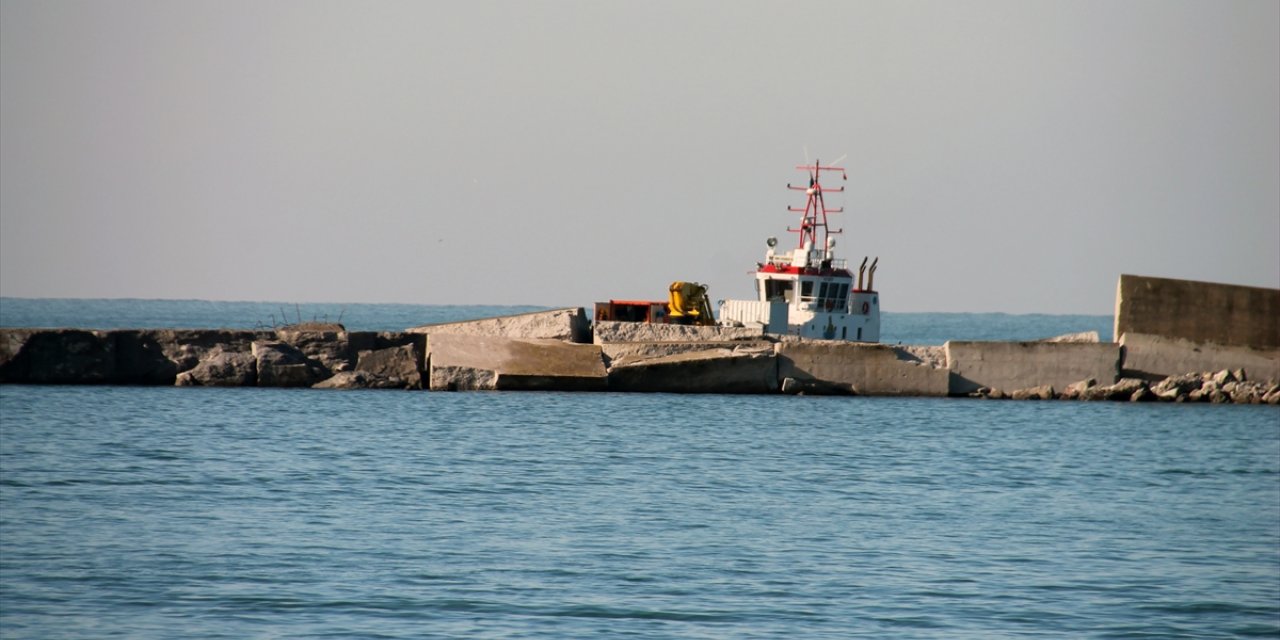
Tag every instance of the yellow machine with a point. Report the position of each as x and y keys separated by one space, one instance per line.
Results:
x=688 y=304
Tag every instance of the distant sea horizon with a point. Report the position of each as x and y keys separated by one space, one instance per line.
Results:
x=921 y=328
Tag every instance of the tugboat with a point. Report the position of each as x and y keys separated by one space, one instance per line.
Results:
x=807 y=291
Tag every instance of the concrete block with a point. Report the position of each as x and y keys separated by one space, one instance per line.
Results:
x=569 y=324
x=607 y=331
x=1156 y=357
x=1201 y=312
x=866 y=369
x=476 y=362
x=1020 y=365
x=719 y=370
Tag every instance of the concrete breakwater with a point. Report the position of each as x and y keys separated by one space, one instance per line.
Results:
x=561 y=350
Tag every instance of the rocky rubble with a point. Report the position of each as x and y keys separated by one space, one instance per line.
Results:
x=1225 y=386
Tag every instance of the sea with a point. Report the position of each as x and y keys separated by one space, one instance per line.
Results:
x=165 y=512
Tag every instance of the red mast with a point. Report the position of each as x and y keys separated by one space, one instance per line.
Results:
x=815 y=210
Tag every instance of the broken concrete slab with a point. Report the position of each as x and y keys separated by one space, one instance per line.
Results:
x=865 y=368
x=477 y=362
x=568 y=324
x=620 y=353
x=1020 y=365
x=1155 y=358
x=1198 y=312
x=607 y=331
x=720 y=370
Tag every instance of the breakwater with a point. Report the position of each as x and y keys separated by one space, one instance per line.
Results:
x=561 y=350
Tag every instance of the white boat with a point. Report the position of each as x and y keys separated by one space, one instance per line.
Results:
x=808 y=291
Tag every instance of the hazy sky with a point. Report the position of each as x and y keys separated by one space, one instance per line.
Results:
x=1002 y=156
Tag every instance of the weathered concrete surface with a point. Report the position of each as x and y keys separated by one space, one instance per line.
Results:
x=467 y=362
x=1082 y=336
x=1223 y=314
x=569 y=324
x=721 y=370
x=621 y=353
x=1022 y=365
x=611 y=331
x=860 y=368
x=1155 y=357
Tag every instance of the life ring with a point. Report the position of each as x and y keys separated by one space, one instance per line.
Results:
x=866 y=308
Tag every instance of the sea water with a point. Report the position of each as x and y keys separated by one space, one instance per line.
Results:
x=162 y=512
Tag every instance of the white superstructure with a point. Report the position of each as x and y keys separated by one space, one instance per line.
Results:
x=808 y=291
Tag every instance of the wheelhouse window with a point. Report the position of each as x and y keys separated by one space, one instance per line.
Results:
x=777 y=290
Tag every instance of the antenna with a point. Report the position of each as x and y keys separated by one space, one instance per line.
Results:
x=815 y=209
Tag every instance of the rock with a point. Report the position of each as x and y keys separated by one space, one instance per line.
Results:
x=222 y=369
x=395 y=362
x=360 y=380
x=330 y=348
x=1246 y=393
x=1222 y=377
x=1042 y=392
x=186 y=348
x=1121 y=390
x=57 y=356
x=1239 y=375
x=792 y=386
x=1143 y=394
x=1272 y=397
x=1174 y=387
x=997 y=394
x=1074 y=390
x=280 y=364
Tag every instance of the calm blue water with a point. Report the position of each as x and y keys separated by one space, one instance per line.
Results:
x=256 y=513
x=131 y=512
x=907 y=328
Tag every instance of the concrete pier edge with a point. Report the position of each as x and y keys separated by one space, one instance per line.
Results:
x=1153 y=359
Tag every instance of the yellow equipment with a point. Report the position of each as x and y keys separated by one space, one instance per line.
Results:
x=689 y=305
